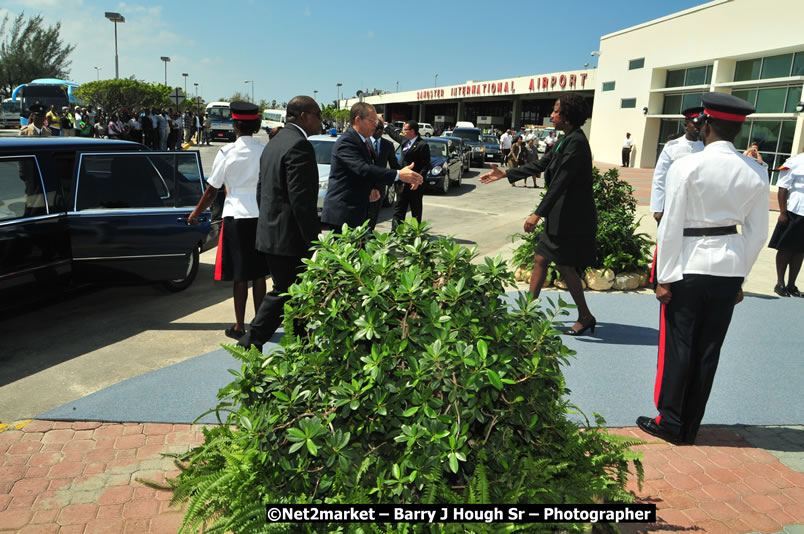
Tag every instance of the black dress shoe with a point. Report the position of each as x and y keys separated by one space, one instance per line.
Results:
x=650 y=426
x=780 y=290
x=582 y=331
x=793 y=291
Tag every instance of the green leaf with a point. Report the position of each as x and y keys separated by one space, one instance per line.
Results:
x=410 y=411
x=312 y=448
x=453 y=462
x=296 y=446
x=494 y=378
x=281 y=396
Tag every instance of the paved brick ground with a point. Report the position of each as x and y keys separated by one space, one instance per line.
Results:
x=81 y=478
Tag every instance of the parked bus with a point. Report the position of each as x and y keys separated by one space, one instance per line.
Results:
x=9 y=114
x=220 y=114
x=46 y=91
x=273 y=118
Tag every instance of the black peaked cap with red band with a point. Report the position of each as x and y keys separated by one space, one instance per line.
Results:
x=726 y=107
x=691 y=113
x=244 y=111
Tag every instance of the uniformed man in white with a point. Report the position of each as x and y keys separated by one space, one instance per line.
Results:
x=36 y=127
x=687 y=144
x=702 y=262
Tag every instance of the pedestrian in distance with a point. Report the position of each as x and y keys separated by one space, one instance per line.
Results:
x=237 y=167
x=628 y=145
x=385 y=157
x=568 y=207
x=36 y=122
x=788 y=236
x=702 y=262
x=287 y=195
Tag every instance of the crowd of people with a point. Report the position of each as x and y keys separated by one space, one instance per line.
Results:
x=159 y=129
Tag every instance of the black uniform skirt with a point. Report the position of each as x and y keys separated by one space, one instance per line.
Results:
x=238 y=259
x=789 y=236
x=578 y=251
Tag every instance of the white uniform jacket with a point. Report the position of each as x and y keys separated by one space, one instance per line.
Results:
x=675 y=149
x=792 y=179
x=715 y=187
x=237 y=166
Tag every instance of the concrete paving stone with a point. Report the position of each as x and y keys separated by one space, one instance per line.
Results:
x=15 y=518
x=140 y=509
x=760 y=485
x=11 y=473
x=17 y=459
x=5 y=499
x=782 y=517
x=94 y=468
x=83 y=434
x=61 y=425
x=107 y=431
x=24 y=447
x=132 y=441
x=100 y=455
x=126 y=454
x=88 y=483
x=11 y=436
x=105 y=526
x=38 y=426
x=44 y=458
x=154 y=439
x=29 y=486
x=761 y=522
x=143 y=492
x=718 y=510
x=110 y=511
x=49 y=528
x=723 y=476
x=116 y=495
x=157 y=429
x=132 y=429
x=78 y=514
x=703 y=478
x=156 y=464
x=179 y=438
x=22 y=501
x=59 y=484
x=84 y=497
x=52 y=447
x=65 y=470
x=796 y=493
x=166 y=523
x=50 y=500
x=137 y=526
x=62 y=435
x=781 y=498
x=695 y=514
x=674 y=518
x=677 y=500
x=121 y=479
x=32 y=436
x=71 y=529
x=762 y=503
x=795 y=510
x=45 y=516
x=796 y=463
x=739 y=506
x=86 y=425
x=719 y=492
x=126 y=465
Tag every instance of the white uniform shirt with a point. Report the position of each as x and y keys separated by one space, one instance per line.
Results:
x=792 y=179
x=237 y=166
x=672 y=151
x=628 y=142
x=505 y=141
x=715 y=187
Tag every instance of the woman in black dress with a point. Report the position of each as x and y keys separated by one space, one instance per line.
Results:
x=568 y=206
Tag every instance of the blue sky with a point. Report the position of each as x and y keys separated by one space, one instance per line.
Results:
x=296 y=47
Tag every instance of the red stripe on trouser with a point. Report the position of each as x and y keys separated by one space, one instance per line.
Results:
x=653 y=265
x=660 y=364
x=219 y=256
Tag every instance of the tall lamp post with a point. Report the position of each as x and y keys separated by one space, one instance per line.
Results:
x=436 y=80
x=97 y=71
x=397 y=86
x=197 y=103
x=115 y=17
x=185 y=81
x=166 y=60
x=315 y=95
x=252 y=89
x=338 y=88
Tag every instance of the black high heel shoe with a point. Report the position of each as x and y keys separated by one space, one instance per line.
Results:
x=582 y=331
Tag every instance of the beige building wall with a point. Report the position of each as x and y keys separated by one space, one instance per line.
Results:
x=719 y=33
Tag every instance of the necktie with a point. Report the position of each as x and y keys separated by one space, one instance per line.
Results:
x=370 y=150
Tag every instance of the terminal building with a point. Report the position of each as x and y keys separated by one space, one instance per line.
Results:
x=645 y=76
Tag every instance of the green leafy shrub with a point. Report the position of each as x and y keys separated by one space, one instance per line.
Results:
x=403 y=377
x=619 y=245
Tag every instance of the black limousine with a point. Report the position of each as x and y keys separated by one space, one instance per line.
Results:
x=98 y=210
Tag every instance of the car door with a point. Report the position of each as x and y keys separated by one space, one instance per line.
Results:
x=129 y=214
x=34 y=242
x=454 y=160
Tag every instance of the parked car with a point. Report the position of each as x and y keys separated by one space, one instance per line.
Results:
x=466 y=151
x=474 y=138
x=446 y=164
x=426 y=129
x=491 y=146
x=323 y=145
x=99 y=211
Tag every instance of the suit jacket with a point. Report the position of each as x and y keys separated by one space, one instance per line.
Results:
x=352 y=176
x=419 y=155
x=386 y=156
x=30 y=130
x=568 y=204
x=287 y=194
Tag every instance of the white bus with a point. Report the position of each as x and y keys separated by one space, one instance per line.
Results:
x=220 y=114
x=272 y=118
x=10 y=114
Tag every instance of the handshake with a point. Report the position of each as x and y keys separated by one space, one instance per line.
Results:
x=409 y=176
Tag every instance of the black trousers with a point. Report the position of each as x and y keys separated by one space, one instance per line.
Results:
x=408 y=198
x=285 y=270
x=374 y=208
x=626 y=157
x=692 y=329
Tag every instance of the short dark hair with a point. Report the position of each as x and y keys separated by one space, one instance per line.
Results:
x=359 y=109
x=574 y=109
x=413 y=125
x=727 y=130
x=247 y=127
x=300 y=104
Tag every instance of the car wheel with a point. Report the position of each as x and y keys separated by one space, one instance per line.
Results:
x=181 y=284
x=445 y=184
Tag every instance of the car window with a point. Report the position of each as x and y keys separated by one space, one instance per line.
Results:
x=490 y=139
x=468 y=135
x=438 y=149
x=323 y=151
x=21 y=192
x=121 y=181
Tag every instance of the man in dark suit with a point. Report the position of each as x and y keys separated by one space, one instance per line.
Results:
x=416 y=155
x=385 y=156
x=287 y=193
x=353 y=173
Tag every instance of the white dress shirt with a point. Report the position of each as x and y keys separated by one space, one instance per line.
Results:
x=715 y=187
x=672 y=151
x=237 y=166
x=792 y=179
x=628 y=142
x=505 y=141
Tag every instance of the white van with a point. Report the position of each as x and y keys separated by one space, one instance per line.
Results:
x=426 y=129
x=464 y=124
x=273 y=118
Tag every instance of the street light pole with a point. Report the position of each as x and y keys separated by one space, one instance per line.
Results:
x=185 y=81
x=97 y=71
x=115 y=17
x=252 y=89
x=397 y=86
x=436 y=80
x=315 y=95
x=338 y=88
x=165 y=59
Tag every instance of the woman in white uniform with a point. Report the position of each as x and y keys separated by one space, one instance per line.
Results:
x=788 y=237
x=237 y=166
